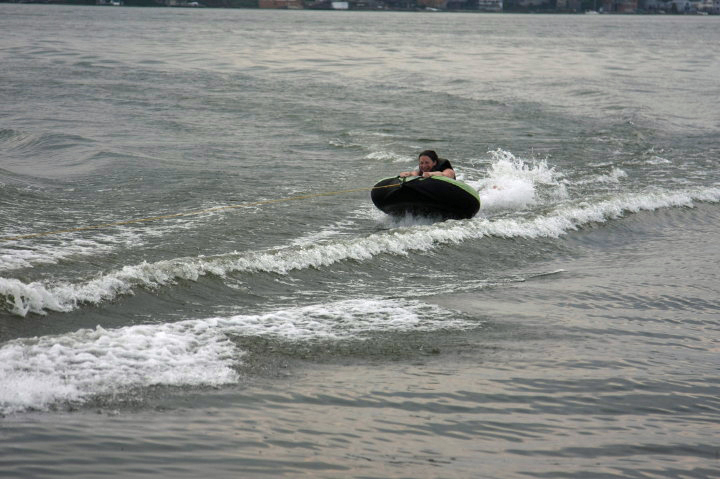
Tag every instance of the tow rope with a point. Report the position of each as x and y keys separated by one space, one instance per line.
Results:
x=192 y=213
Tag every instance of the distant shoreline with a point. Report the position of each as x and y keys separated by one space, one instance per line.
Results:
x=508 y=6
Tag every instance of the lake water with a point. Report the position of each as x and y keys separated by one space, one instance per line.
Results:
x=275 y=324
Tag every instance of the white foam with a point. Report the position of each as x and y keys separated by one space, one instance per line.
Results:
x=616 y=174
x=343 y=320
x=387 y=156
x=613 y=177
x=22 y=298
x=26 y=256
x=38 y=373
x=38 y=297
x=657 y=160
x=29 y=253
x=333 y=230
x=340 y=143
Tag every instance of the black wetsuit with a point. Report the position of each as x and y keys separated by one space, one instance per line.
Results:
x=442 y=165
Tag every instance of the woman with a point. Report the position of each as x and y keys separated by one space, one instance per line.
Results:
x=430 y=165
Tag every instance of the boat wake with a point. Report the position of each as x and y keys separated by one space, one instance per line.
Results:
x=21 y=298
x=50 y=371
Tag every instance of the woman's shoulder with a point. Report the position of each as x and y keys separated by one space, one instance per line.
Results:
x=443 y=164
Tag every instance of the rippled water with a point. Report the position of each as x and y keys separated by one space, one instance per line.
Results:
x=265 y=320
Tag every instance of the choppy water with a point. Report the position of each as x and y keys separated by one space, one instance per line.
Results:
x=569 y=330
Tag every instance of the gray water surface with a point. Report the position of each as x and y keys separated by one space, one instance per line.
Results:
x=570 y=329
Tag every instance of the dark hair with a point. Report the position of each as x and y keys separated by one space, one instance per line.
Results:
x=430 y=154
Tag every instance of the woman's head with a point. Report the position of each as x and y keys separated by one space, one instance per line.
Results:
x=427 y=160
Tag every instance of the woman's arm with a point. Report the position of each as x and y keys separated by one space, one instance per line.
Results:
x=449 y=172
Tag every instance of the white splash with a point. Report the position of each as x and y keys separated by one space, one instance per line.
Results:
x=512 y=184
